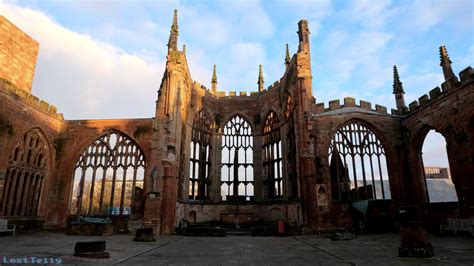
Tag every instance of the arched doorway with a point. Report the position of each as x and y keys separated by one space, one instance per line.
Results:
x=436 y=169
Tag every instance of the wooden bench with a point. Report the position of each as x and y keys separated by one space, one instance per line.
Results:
x=459 y=225
x=4 y=227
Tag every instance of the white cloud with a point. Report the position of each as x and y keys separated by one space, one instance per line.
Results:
x=84 y=77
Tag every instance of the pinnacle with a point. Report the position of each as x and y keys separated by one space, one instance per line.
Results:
x=443 y=54
x=397 y=84
x=260 y=79
x=287 y=56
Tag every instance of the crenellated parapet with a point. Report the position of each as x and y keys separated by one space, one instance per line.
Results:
x=350 y=105
x=29 y=99
x=466 y=76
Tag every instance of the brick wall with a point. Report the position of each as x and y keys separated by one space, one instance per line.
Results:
x=18 y=54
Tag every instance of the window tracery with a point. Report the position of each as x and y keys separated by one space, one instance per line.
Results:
x=107 y=175
x=272 y=156
x=27 y=168
x=200 y=151
x=357 y=164
x=237 y=180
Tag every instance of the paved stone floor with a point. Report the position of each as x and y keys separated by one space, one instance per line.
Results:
x=241 y=250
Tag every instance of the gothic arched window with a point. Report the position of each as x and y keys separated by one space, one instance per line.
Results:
x=107 y=174
x=27 y=167
x=237 y=180
x=199 y=163
x=357 y=164
x=272 y=156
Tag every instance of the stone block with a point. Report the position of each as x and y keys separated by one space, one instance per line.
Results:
x=22 y=94
x=334 y=104
x=319 y=107
x=91 y=249
x=423 y=100
x=232 y=93
x=394 y=111
x=53 y=109
x=197 y=84
x=349 y=102
x=60 y=116
x=254 y=93
x=144 y=235
x=43 y=106
x=380 y=109
x=447 y=86
x=220 y=93
x=33 y=101
x=435 y=93
x=365 y=105
x=243 y=93
x=413 y=106
x=466 y=74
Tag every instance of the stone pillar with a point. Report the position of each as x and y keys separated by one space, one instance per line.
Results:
x=170 y=185
x=413 y=199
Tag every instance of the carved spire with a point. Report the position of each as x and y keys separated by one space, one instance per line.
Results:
x=214 y=79
x=397 y=84
x=287 y=57
x=173 y=40
x=184 y=49
x=446 y=64
x=260 y=82
x=398 y=91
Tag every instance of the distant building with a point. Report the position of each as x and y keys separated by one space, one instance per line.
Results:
x=434 y=172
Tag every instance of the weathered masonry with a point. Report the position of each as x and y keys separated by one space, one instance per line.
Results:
x=207 y=155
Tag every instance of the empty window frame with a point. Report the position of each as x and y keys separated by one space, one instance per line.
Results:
x=200 y=150
x=106 y=176
x=357 y=164
x=237 y=180
x=27 y=167
x=272 y=156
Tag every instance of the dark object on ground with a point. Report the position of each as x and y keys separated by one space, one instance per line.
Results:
x=342 y=234
x=91 y=249
x=144 y=235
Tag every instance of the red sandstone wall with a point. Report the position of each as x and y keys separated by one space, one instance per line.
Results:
x=16 y=118
x=18 y=54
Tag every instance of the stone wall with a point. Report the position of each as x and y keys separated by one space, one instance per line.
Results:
x=18 y=54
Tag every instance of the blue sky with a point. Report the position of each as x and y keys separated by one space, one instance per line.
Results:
x=105 y=59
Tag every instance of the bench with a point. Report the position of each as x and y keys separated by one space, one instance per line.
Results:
x=4 y=227
x=456 y=225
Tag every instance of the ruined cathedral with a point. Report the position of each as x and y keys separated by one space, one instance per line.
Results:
x=231 y=158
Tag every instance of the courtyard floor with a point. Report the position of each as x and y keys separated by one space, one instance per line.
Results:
x=242 y=250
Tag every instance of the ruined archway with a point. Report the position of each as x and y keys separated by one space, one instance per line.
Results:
x=436 y=169
x=357 y=162
x=106 y=176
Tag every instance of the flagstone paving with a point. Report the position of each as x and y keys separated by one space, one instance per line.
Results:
x=235 y=250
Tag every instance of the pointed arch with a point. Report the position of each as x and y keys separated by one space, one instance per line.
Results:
x=106 y=175
x=28 y=167
x=272 y=156
x=237 y=180
x=357 y=163
x=200 y=152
